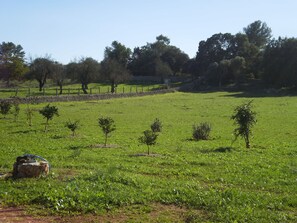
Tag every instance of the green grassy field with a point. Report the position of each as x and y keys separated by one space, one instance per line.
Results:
x=212 y=181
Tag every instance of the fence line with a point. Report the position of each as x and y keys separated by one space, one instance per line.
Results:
x=28 y=92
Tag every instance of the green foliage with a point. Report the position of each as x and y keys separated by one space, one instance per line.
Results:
x=5 y=107
x=245 y=119
x=201 y=131
x=72 y=125
x=156 y=126
x=107 y=125
x=149 y=138
x=49 y=112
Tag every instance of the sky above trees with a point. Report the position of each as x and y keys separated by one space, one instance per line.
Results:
x=71 y=29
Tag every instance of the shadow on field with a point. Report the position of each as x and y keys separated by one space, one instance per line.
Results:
x=218 y=150
x=24 y=131
x=252 y=89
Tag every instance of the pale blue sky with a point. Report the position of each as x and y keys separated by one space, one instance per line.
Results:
x=69 y=29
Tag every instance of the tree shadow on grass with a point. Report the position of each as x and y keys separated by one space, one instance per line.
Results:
x=218 y=150
x=24 y=131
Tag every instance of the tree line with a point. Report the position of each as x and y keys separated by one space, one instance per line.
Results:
x=222 y=59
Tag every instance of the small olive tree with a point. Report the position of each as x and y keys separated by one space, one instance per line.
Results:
x=156 y=126
x=72 y=125
x=5 y=107
x=49 y=112
x=107 y=125
x=245 y=119
x=149 y=138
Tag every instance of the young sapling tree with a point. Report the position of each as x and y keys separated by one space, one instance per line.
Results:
x=107 y=125
x=245 y=119
x=29 y=114
x=48 y=113
x=149 y=138
x=73 y=126
x=16 y=111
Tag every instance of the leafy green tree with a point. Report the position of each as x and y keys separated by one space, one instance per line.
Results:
x=114 y=72
x=245 y=119
x=5 y=107
x=12 y=62
x=149 y=138
x=41 y=69
x=107 y=125
x=48 y=113
x=114 y=66
x=73 y=126
x=280 y=63
x=59 y=74
x=258 y=33
x=85 y=71
x=158 y=59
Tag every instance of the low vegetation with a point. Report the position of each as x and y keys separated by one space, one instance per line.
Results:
x=206 y=180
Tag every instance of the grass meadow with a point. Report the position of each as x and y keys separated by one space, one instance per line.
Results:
x=189 y=181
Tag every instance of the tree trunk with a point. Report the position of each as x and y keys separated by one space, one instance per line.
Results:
x=247 y=142
x=41 y=84
x=148 y=150
x=105 y=143
x=61 y=88
x=84 y=88
x=113 y=86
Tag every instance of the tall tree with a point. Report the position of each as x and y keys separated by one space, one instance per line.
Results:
x=114 y=65
x=59 y=75
x=85 y=71
x=280 y=63
x=12 y=62
x=148 y=60
x=258 y=33
x=41 y=69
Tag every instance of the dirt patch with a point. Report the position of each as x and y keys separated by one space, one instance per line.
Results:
x=102 y=146
x=133 y=213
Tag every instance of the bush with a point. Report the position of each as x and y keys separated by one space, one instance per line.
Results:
x=156 y=126
x=201 y=131
x=5 y=107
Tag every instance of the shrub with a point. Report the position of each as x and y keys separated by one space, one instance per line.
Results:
x=49 y=112
x=5 y=107
x=245 y=118
x=156 y=126
x=201 y=131
x=72 y=126
x=107 y=125
x=149 y=138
